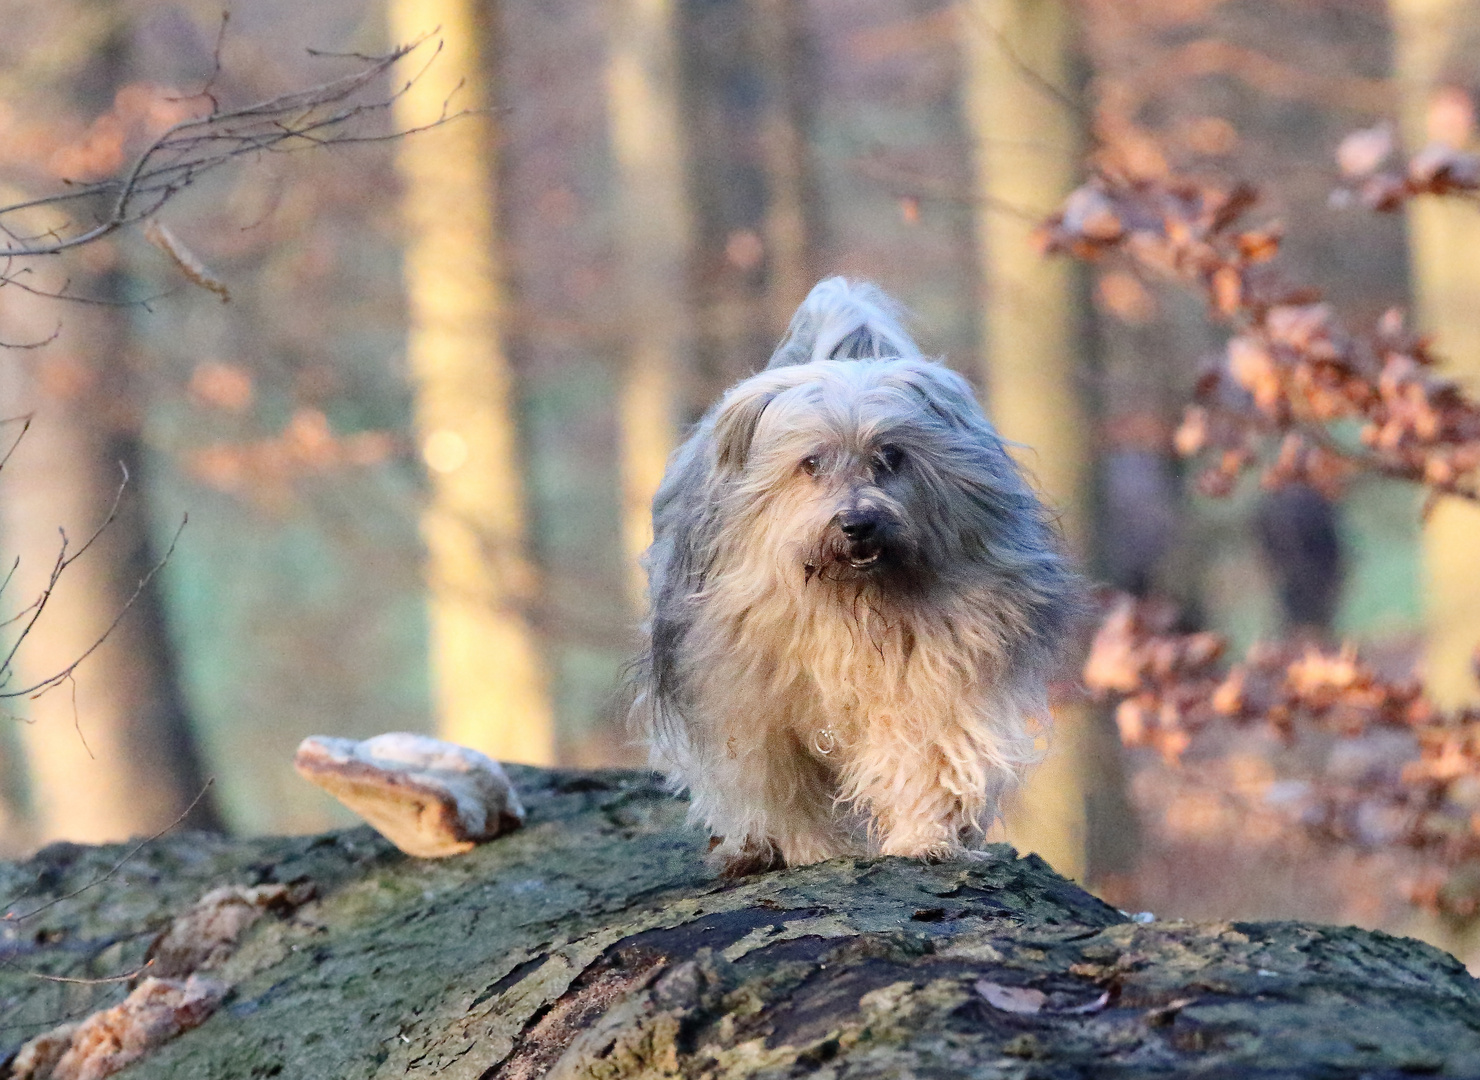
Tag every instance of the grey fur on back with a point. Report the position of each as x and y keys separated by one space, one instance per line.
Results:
x=844 y=320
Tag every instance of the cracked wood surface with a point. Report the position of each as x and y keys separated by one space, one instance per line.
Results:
x=595 y=944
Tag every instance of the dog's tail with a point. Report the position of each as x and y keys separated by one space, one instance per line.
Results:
x=845 y=320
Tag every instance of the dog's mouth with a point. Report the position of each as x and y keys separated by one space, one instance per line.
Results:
x=842 y=563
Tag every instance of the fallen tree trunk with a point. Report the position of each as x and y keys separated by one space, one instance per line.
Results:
x=594 y=943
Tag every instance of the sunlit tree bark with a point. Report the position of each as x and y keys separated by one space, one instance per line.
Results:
x=654 y=235
x=487 y=670
x=1435 y=54
x=1026 y=147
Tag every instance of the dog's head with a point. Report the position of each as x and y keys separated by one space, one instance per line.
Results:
x=873 y=471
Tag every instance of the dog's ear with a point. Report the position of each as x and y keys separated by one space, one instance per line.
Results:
x=734 y=426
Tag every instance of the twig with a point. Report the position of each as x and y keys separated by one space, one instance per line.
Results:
x=51 y=682
x=127 y=976
x=25 y=423
x=77 y=717
x=1025 y=70
x=11 y=916
x=74 y=298
x=32 y=344
x=63 y=560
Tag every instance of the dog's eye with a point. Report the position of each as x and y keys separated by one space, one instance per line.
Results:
x=889 y=458
x=810 y=464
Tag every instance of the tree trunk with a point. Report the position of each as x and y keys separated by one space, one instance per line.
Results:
x=110 y=750
x=1435 y=53
x=486 y=661
x=593 y=943
x=1027 y=143
x=654 y=236
x=743 y=188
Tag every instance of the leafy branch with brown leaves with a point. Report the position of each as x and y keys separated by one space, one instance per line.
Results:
x=1298 y=396
x=1175 y=691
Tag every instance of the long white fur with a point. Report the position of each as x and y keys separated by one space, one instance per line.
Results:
x=812 y=708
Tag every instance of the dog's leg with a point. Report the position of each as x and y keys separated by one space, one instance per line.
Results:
x=923 y=799
x=810 y=826
x=786 y=803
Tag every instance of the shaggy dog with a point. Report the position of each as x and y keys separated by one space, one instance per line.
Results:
x=856 y=601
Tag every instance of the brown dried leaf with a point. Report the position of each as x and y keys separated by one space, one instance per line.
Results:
x=1255 y=370
x=1130 y=721
x=1228 y=290
x=1441 y=168
x=1260 y=245
x=160 y=236
x=1113 y=662
x=1215 y=483
x=1171 y=745
x=1162 y=1015
x=1233 y=205
x=1384 y=193
x=1085 y=1009
x=1123 y=296
x=1090 y=214
x=221 y=385
x=1228 y=699
x=1363 y=152
x=1013 y=999
x=1192 y=433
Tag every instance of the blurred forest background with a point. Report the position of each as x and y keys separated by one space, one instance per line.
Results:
x=417 y=444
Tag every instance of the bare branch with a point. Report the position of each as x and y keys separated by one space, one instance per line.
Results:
x=77 y=718
x=34 y=611
x=107 y=520
x=323 y=115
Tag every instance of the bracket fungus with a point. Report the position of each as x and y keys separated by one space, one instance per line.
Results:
x=428 y=797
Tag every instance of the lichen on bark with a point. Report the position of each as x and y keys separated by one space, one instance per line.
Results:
x=594 y=943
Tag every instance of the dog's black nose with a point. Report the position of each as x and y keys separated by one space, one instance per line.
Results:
x=857 y=525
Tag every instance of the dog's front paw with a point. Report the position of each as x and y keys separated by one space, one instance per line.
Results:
x=931 y=851
x=742 y=860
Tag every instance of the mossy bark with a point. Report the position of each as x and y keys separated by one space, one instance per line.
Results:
x=594 y=943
